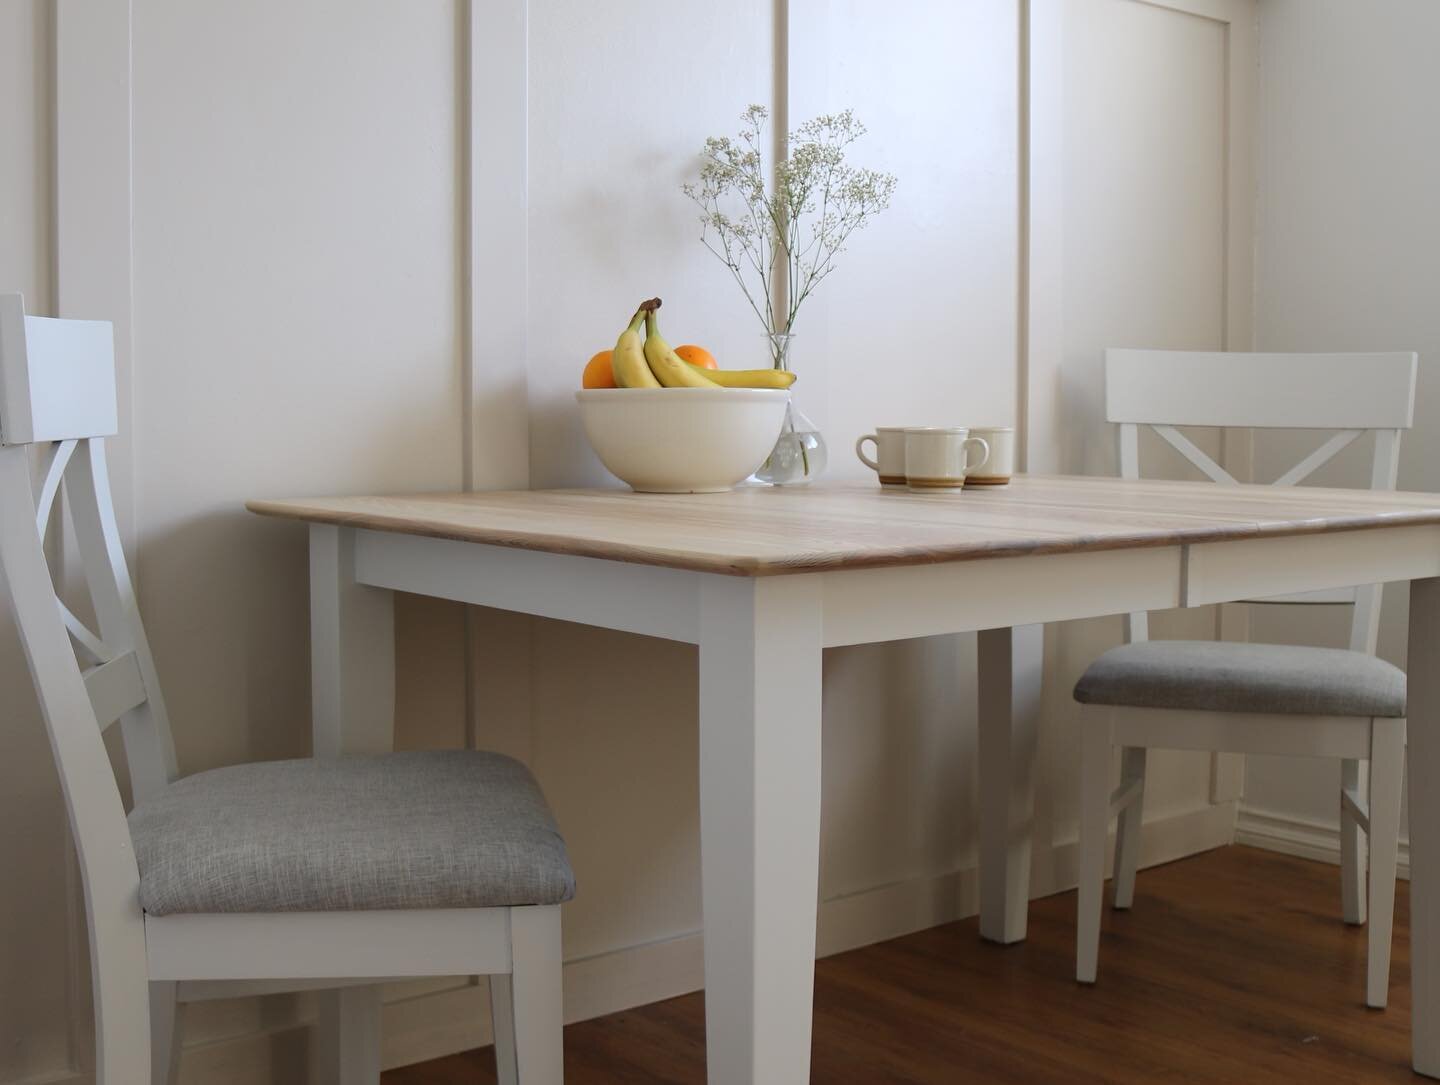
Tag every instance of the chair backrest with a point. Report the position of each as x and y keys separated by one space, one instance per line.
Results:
x=1352 y=393
x=57 y=377
x=57 y=401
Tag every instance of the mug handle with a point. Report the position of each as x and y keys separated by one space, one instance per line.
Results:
x=985 y=455
x=860 y=451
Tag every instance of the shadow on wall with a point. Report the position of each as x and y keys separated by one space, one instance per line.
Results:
x=225 y=601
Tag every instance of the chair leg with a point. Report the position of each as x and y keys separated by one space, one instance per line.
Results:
x=1094 y=826
x=536 y=996
x=502 y=1019
x=1387 y=770
x=347 y=1033
x=1352 y=846
x=1127 y=831
x=165 y=1016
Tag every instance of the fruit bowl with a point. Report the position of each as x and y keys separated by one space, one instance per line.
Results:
x=682 y=440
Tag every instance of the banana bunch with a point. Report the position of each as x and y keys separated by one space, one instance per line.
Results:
x=653 y=363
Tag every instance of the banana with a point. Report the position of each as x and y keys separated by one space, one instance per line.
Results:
x=748 y=378
x=669 y=367
x=628 y=361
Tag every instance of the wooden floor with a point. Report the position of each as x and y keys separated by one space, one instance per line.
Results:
x=1232 y=967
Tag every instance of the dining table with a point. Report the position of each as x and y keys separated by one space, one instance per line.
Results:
x=764 y=579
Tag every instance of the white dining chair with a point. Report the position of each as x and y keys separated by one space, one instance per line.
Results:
x=281 y=875
x=1252 y=698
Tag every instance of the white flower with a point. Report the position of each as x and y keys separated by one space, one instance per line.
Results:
x=818 y=201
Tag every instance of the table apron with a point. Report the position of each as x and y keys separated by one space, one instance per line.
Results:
x=1222 y=572
x=646 y=599
x=862 y=606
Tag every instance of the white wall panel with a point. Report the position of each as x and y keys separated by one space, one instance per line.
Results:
x=620 y=105
x=297 y=324
x=619 y=109
x=918 y=325
x=34 y=843
x=302 y=268
x=1144 y=217
x=1348 y=230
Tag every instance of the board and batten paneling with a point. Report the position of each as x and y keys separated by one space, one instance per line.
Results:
x=36 y=961
x=612 y=731
x=323 y=197
x=298 y=317
x=893 y=335
x=1345 y=261
x=1140 y=150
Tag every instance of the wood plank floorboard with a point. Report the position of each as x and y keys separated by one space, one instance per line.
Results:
x=1233 y=966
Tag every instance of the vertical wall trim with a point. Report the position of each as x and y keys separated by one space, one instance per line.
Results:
x=1242 y=78
x=495 y=195
x=780 y=130
x=803 y=91
x=1022 y=236
x=1041 y=301
x=497 y=427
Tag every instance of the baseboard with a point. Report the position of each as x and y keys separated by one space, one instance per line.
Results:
x=1305 y=838
x=891 y=911
x=439 y=1023
x=63 y=1077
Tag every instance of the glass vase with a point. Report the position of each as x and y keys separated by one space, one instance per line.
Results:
x=799 y=454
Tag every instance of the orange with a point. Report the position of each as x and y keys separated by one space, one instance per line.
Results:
x=697 y=356
x=598 y=371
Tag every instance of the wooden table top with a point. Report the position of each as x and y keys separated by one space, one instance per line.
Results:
x=759 y=531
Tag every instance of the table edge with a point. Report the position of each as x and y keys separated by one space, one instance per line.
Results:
x=632 y=554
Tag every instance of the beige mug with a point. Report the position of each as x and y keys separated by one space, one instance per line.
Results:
x=999 y=465
x=939 y=457
x=889 y=461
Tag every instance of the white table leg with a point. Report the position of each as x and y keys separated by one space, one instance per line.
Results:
x=352 y=673
x=760 y=679
x=347 y=1033
x=1424 y=769
x=352 y=651
x=1011 y=665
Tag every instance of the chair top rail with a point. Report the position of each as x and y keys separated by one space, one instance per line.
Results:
x=1350 y=392
x=57 y=377
x=1347 y=391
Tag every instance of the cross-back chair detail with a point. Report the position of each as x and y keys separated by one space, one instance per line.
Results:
x=1350 y=393
x=118 y=671
x=1165 y=390
x=65 y=407
x=57 y=405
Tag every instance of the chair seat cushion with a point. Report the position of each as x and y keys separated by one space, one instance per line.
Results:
x=1223 y=676
x=441 y=829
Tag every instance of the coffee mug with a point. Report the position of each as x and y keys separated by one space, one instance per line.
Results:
x=938 y=457
x=999 y=465
x=889 y=462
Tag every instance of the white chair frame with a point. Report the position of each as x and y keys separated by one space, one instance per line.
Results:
x=57 y=396
x=1349 y=392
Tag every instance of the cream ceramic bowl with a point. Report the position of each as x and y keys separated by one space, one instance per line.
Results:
x=682 y=440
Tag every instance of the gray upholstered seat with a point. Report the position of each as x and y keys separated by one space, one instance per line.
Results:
x=1220 y=676
x=442 y=829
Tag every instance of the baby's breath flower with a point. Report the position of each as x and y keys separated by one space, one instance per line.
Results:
x=801 y=224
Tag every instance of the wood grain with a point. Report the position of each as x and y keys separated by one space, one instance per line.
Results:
x=1233 y=966
x=764 y=531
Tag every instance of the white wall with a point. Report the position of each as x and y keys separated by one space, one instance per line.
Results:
x=1348 y=232
x=301 y=275
x=34 y=997
x=1145 y=134
x=899 y=332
